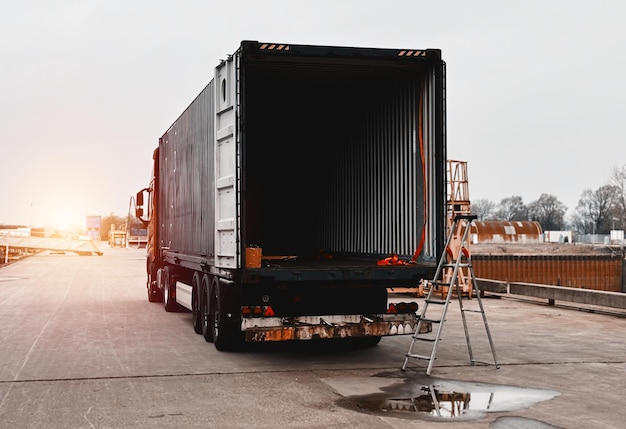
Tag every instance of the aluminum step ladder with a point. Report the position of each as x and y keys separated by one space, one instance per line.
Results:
x=453 y=273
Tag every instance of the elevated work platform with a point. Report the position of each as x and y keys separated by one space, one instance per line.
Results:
x=82 y=247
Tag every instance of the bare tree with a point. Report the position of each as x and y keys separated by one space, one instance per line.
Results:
x=484 y=209
x=548 y=211
x=596 y=209
x=512 y=208
x=618 y=179
x=582 y=217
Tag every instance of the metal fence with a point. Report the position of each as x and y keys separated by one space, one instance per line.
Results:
x=597 y=239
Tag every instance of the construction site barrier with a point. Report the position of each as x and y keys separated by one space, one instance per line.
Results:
x=555 y=293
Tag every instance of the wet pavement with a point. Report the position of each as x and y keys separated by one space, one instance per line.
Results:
x=83 y=348
x=428 y=398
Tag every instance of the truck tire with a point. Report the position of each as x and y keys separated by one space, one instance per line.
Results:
x=196 y=300
x=205 y=307
x=154 y=293
x=225 y=338
x=169 y=298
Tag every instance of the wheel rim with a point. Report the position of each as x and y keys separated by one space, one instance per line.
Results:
x=166 y=288
x=149 y=280
x=216 y=315
x=195 y=299
x=204 y=305
x=195 y=311
x=205 y=315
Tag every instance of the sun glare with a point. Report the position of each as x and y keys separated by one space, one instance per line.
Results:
x=62 y=209
x=66 y=220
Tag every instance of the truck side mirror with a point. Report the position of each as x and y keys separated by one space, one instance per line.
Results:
x=139 y=210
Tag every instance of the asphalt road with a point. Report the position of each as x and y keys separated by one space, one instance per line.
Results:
x=81 y=347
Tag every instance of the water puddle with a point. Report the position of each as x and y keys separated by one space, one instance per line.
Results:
x=520 y=423
x=428 y=398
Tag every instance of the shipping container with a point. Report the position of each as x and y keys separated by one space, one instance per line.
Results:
x=280 y=193
x=601 y=272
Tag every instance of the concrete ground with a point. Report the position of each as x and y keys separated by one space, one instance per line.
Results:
x=83 y=348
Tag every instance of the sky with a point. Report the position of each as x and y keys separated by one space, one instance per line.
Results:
x=535 y=89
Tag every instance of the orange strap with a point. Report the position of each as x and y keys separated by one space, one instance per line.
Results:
x=392 y=260
x=420 y=126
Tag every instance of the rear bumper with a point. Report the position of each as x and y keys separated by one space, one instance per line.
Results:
x=326 y=327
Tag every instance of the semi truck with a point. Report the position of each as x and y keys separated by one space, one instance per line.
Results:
x=298 y=188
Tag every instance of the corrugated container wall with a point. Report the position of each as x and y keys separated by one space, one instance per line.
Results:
x=343 y=155
x=186 y=174
x=597 y=272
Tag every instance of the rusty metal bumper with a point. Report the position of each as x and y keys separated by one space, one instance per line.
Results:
x=323 y=327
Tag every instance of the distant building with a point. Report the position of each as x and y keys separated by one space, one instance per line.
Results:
x=15 y=230
x=93 y=227
x=558 y=236
x=617 y=236
x=504 y=231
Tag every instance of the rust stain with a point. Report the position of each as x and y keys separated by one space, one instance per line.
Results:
x=596 y=272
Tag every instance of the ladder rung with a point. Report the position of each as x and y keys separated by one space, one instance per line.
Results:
x=435 y=301
x=416 y=356
x=464 y=265
x=469 y=217
x=428 y=339
x=470 y=310
x=423 y=319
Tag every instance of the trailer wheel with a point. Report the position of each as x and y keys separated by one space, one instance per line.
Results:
x=196 y=299
x=154 y=293
x=224 y=336
x=170 y=299
x=205 y=306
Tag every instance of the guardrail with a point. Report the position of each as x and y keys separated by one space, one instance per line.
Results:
x=82 y=247
x=555 y=293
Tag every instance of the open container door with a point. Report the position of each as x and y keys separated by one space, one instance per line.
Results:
x=227 y=252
